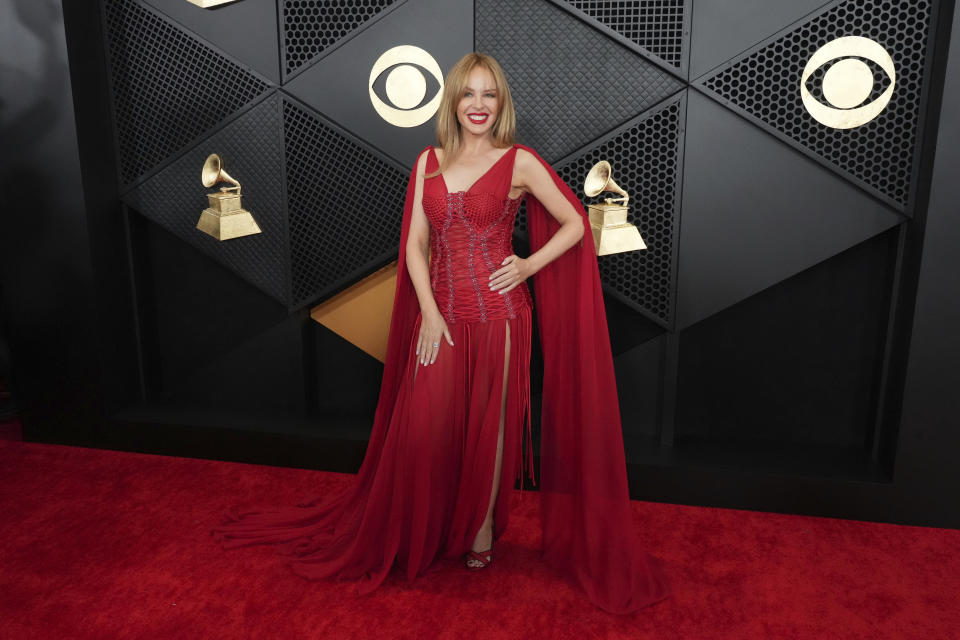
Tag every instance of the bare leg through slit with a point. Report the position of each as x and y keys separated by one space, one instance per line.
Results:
x=484 y=538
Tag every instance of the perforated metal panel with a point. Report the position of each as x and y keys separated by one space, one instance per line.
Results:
x=168 y=87
x=310 y=26
x=245 y=31
x=879 y=154
x=567 y=95
x=645 y=159
x=655 y=25
x=345 y=204
x=251 y=151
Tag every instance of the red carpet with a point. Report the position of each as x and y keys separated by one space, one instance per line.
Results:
x=105 y=544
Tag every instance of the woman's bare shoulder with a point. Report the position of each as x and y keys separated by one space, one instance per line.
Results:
x=528 y=162
x=528 y=157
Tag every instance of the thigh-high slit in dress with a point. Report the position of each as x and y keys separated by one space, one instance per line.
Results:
x=424 y=493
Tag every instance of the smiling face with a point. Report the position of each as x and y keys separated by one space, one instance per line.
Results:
x=479 y=104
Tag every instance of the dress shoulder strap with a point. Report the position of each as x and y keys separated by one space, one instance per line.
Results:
x=432 y=185
x=432 y=161
x=502 y=178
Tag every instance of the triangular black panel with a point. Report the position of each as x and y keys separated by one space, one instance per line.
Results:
x=794 y=367
x=722 y=30
x=645 y=157
x=251 y=151
x=168 y=87
x=566 y=96
x=655 y=25
x=312 y=26
x=879 y=155
x=257 y=374
x=755 y=212
x=345 y=202
x=245 y=30
x=338 y=85
x=638 y=391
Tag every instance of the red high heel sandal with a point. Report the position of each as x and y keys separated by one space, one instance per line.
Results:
x=485 y=558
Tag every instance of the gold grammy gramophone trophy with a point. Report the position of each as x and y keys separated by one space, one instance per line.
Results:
x=225 y=218
x=608 y=221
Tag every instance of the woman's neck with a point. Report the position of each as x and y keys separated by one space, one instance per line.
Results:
x=473 y=145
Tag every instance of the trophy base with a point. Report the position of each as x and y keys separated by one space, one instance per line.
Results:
x=625 y=237
x=611 y=231
x=226 y=226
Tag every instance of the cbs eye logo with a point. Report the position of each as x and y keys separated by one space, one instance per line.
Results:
x=404 y=74
x=848 y=82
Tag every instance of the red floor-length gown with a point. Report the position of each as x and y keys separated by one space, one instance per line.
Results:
x=425 y=483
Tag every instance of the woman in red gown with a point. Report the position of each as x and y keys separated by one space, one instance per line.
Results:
x=448 y=428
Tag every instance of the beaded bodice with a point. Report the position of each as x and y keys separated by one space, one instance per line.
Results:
x=471 y=232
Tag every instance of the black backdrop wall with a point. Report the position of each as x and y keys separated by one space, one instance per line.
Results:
x=783 y=344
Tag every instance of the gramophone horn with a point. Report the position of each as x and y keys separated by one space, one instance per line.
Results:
x=213 y=172
x=598 y=180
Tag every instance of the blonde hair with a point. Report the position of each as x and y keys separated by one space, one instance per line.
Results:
x=449 y=134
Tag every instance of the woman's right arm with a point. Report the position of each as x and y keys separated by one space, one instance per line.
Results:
x=432 y=324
